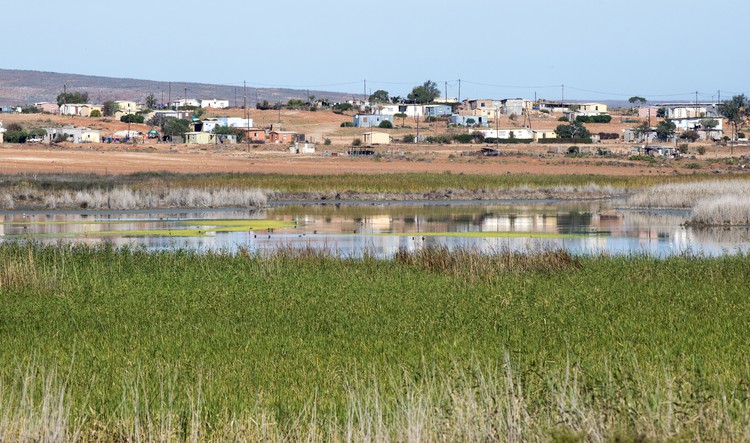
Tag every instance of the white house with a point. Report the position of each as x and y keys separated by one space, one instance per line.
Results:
x=181 y=103
x=235 y=122
x=73 y=134
x=214 y=103
x=409 y=110
x=523 y=133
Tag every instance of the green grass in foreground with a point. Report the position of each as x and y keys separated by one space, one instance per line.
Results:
x=445 y=345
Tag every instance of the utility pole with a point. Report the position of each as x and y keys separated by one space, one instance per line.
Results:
x=459 y=91
x=184 y=104
x=562 y=100
x=364 y=91
x=446 y=93
x=245 y=113
x=497 y=131
x=170 y=95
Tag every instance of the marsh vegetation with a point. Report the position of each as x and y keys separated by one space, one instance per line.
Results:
x=124 y=344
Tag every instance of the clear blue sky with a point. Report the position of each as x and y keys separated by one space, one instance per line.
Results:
x=600 y=49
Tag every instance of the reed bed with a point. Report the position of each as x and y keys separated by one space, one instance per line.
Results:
x=29 y=189
x=712 y=203
x=125 y=198
x=687 y=195
x=104 y=344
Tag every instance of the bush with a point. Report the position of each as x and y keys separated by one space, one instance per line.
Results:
x=132 y=118
x=327 y=142
x=441 y=139
x=409 y=138
x=740 y=135
x=563 y=119
x=357 y=142
x=693 y=166
x=574 y=150
x=701 y=150
x=340 y=108
x=463 y=138
x=608 y=136
x=683 y=148
x=604 y=118
x=645 y=158
x=430 y=119
x=95 y=113
x=347 y=125
x=385 y=124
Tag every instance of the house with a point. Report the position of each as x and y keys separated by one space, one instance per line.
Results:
x=519 y=133
x=72 y=134
x=371 y=120
x=690 y=111
x=199 y=138
x=235 y=122
x=647 y=112
x=302 y=148
x=540 y=135
x=10 y=110
x=470 y=105
x=255 y=135
x=592 y=107
x=512 y=106
x=284 y=137
x=376 y=138
x=214 y=103
x=168 y=113
x=469 y=120
x=48 y=107
x=181 y=103
x=79 y=109
x=631 y=135
x=708 y=128
x=128 y=106
x=438 y=110
x=2 y=130
x=409 y=110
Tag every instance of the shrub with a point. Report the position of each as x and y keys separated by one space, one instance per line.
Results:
x=683 y=148
x=740 y=135
x=131 y=118
x=604 y=118
x=463 y=138
x=357 y=142
x=95 y=113
x=327 y=142
x=563 y=119
x=575 y=150
x=347 y=125
x=645 y=158
x=701 y=150
x=608 y=136
x=385 y=124
x=409 y=138
x=693 y=166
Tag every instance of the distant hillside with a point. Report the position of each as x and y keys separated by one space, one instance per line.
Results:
x=25 y=87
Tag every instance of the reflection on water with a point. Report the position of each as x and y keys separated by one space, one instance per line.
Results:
x=383 y=229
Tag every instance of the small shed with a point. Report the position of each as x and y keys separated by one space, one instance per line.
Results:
x=199 y=138
x=376 y=138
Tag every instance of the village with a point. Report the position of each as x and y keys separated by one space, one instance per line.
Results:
x=378 y=125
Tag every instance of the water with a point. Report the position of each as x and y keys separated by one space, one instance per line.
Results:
x=382 y=229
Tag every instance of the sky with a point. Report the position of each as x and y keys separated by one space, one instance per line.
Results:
x=598 y=49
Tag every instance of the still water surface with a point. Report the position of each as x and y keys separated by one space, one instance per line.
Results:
x=383 y=229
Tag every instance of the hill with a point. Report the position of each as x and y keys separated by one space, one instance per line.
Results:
x=19 y=87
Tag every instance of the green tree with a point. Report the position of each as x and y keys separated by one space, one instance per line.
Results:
x=109 y=108
x=636 y=100
x=173 y=126
x=735 y=111
x=95 y=113
x=709 y=123
x=385 y=124
x=131 y=118
x=72 y=97
x=661 y=112
x=665 y=130
x=379 y=96
x=426 y=93
x=340 y=108
x=574 y=130
x=470 y=122
x=226 y=130
x=150 y=101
